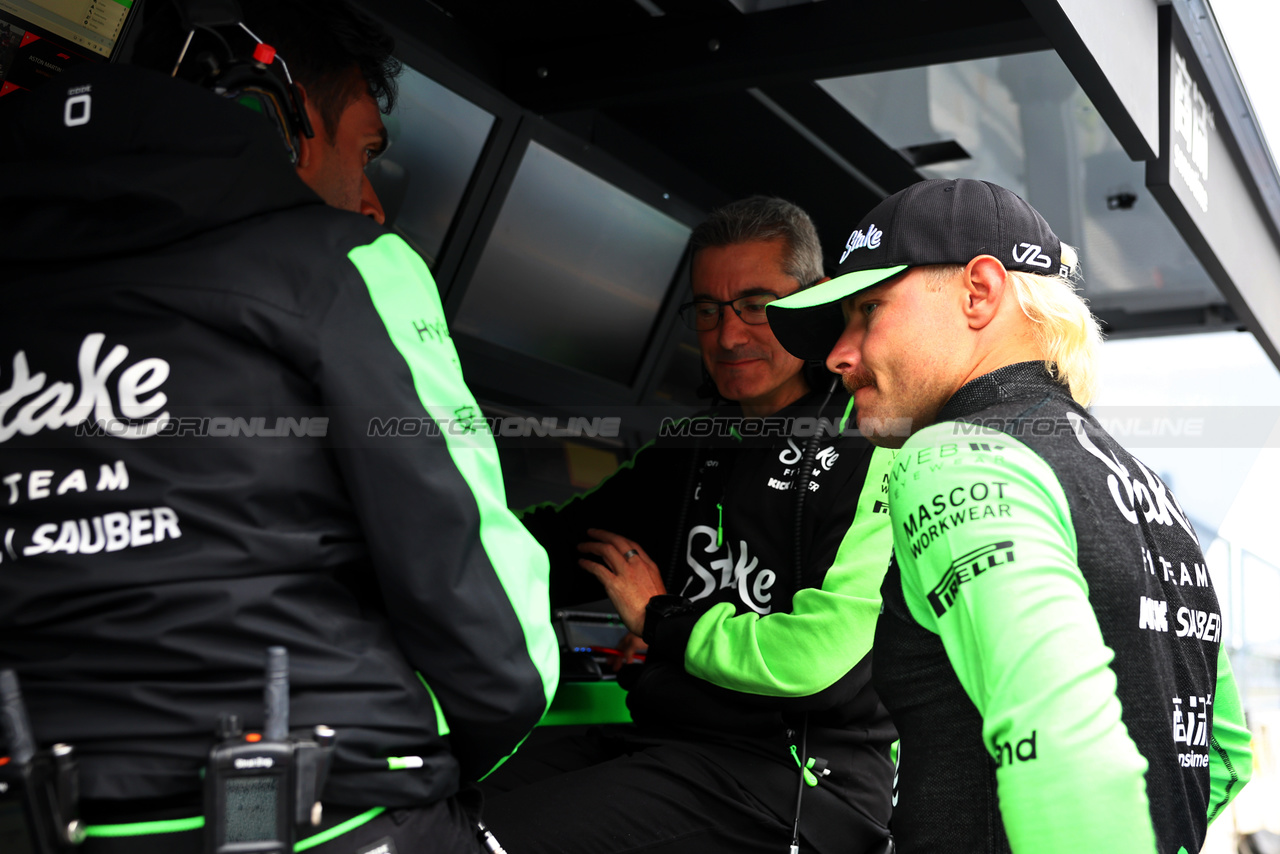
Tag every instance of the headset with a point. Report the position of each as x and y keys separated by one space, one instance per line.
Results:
x=245 y=80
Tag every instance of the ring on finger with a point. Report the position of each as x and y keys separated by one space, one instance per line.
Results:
x=630 y=553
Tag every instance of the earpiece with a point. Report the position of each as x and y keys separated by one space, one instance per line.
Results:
x=245 y=79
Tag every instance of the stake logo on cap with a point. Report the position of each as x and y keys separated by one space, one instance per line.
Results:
x=858 y=239
x=932 y=222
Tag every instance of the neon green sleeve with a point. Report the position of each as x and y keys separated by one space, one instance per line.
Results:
x=828 y=630
x=989 y=562
x=1230 y=757
x=463 y=583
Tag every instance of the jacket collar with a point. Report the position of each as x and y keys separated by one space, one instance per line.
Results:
x=158 y=160
x=1012 y=382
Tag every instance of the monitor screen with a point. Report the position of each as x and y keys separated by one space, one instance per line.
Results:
x=92 y=24
x=436 y=139
x=575 y=270
x=39 y=39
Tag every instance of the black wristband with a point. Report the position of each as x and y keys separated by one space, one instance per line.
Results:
x=662 y=607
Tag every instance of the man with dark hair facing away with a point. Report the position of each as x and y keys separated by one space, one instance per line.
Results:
x=1050 y=646
x=196 y=347
x=758 y=614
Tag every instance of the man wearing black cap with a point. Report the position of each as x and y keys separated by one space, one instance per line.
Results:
x=1050 y=641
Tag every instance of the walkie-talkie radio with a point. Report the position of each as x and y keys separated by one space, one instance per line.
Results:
x=260 y=787
x=39 y=790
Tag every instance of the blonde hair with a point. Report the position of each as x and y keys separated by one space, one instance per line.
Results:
x=1066 y=331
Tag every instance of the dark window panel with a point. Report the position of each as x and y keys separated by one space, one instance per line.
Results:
x=574 y=271
x=436 y=139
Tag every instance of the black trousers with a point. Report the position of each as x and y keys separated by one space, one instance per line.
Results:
x=446 y=827
x=607 y=792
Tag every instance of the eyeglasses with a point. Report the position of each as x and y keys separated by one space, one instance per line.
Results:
x=703 y=315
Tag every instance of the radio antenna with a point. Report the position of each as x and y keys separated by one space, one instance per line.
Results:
x=276 y=695
x=13 y=718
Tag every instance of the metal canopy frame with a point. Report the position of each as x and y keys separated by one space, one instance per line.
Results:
x=682 y=56
x=714 y=104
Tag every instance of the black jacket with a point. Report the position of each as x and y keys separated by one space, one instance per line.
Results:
x=713 y=503
x=1051 y=642
x=193 y=348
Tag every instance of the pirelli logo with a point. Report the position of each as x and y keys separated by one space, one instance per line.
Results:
x=966 y=568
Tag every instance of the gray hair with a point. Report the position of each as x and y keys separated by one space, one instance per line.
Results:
x=765 y=218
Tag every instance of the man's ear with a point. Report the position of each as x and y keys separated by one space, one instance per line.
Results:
x=985 y=282
x=307 y=145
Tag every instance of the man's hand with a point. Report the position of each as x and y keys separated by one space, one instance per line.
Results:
x=631 y=650
x=629 y=577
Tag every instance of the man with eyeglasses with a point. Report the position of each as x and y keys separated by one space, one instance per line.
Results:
x=758 y=614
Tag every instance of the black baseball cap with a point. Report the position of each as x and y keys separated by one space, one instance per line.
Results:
x=932 y=222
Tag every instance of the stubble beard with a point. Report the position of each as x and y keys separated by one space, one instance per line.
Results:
x=883 y=429
x=854 y=380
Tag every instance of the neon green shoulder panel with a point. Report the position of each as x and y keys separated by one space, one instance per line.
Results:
x=829 y=629
x=403 y=293
x=1230 y=756
x=988 y=559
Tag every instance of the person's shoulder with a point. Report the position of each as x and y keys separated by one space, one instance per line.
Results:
x=316 y=251
x=323 y=231
x=959 y=450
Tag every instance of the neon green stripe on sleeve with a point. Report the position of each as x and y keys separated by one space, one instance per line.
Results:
x=1230 y=755
x=406 y=299
x=988 y=558
x=829 y=629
